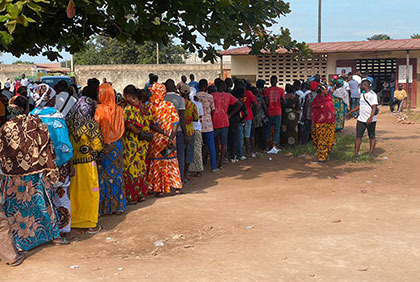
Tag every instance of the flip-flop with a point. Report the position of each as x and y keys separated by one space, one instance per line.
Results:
x=61 y=242
x=18 y=261
x=98 y=229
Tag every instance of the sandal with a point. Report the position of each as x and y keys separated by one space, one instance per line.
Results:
x=159 y=195
x=179 y=192
x=61 y=241
x=95 y=230
x=19 y=261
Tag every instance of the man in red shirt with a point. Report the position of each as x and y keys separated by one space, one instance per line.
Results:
x=249 y=101
x=222 y=101
x=275 y=97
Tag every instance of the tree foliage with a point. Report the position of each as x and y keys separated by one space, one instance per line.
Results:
x=415 y=36
x=20 y=62
x=103 y=50
x=42 y=26
x=381 y=36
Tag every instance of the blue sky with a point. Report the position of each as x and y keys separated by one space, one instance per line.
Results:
x=342 y=21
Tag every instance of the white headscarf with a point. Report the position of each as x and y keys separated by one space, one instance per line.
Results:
x=42 y=95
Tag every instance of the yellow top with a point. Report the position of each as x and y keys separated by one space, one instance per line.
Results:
x=400 y=95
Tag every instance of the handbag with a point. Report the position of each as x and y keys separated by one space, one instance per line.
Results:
x=377 y=109
x=168 y=150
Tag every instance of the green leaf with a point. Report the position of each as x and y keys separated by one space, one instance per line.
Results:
x=30 y=20
x=11 y=26
x=34 y=6
x=22 y=20
x=5 y=38
x=4 y=18
x=13 y=11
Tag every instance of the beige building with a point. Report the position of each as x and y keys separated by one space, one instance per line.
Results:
x=385 y=60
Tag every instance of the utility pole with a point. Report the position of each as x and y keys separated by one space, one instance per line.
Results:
x=319 y=19
x=157 y=53
x=407 y=80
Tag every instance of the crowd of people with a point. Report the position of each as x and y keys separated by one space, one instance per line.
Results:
x=68 y=158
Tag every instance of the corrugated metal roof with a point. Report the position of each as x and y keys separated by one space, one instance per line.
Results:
x=351 y=46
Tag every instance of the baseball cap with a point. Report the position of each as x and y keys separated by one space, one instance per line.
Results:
x=185 y=89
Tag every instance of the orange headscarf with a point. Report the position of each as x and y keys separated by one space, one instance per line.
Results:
x=109 y=115
x=158 y=93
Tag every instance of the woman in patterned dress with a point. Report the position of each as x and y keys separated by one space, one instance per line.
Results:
x=164 y=171
x=289 y=128
x=110 y=118
x=29 y=172
x=137 y=119
x=341 y=104
x=87 y=141
x=323 y=122
x=44 y=99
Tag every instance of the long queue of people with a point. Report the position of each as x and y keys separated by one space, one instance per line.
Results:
x=71 y=159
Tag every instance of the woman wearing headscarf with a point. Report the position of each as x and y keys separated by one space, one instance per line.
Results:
x=29 y=172
x=137 y=120
x=87 y=141
x=341 y=103
x=164 y=171
x=110 y=118
x=323 y=122
x=289 y=127
x=44 y=99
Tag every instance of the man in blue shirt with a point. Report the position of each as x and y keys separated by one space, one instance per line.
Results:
x=193 y=83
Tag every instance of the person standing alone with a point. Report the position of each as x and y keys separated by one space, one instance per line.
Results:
x=367 y=118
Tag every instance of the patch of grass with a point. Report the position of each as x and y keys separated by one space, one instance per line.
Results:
x=343 y=150
x=413 y=116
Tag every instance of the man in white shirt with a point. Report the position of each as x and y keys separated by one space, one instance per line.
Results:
x=367 y=117
x=24 y=81
x=354 y=92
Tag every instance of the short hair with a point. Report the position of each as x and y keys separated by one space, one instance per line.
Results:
x=154 y=78
x=192 y=77
x=150 y=76
x=273 y=79
x=21 y=101
x=93 y=82
x=170 y=85
x=22 y=91
x=90 y=91
x=184 y=78
x=212 y=89
x=203 y=84
x=229 y=82
x=130 y=89
x=62 y=84
x=289 y=88
x=221 y=85
x=297 y=84
x=260 y=83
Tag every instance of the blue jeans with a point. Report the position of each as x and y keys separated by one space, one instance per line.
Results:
x=354 y=103
x=208 y=138
x=180 y=149
x=276 y=122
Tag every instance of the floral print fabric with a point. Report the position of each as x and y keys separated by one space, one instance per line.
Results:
x=28 y=206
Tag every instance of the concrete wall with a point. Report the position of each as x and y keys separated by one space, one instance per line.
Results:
x=12 y=71
x=244 y=65
x=122 y=75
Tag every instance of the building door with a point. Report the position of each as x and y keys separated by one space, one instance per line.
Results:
x=401 y=78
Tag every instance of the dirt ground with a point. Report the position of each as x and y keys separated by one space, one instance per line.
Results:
x=282 y=220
